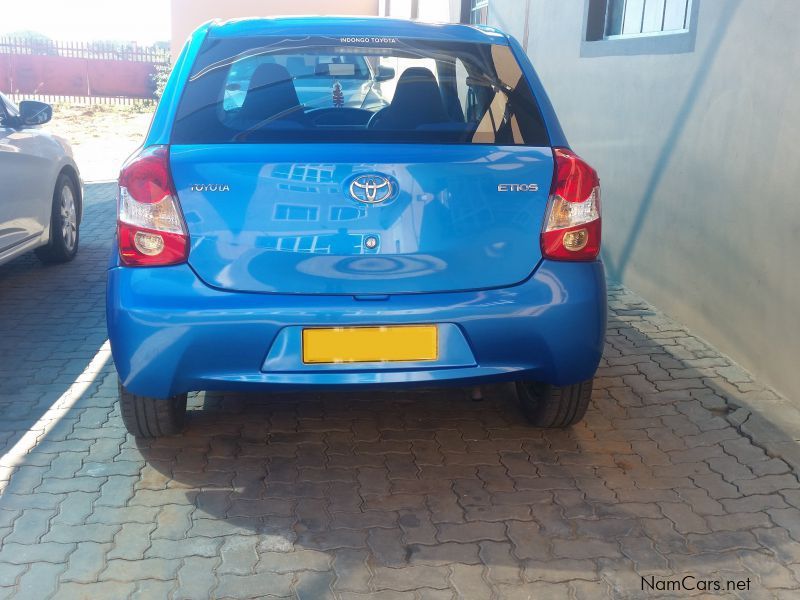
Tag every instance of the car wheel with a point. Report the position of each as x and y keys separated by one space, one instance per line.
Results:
x=551 y=406
x=64 y=221
x=146 y=417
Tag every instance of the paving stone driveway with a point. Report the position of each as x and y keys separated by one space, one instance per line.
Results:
x=395 y=495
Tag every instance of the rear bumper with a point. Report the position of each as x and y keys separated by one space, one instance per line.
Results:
x=170 y=333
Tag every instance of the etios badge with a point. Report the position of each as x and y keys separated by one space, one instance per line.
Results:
x=517 y=187
x=371 y=189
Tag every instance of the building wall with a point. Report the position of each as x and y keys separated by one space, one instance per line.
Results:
x=188 y=14
x=431 y=11
x=696 y=144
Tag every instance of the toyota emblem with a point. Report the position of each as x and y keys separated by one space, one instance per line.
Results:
x=371 y=189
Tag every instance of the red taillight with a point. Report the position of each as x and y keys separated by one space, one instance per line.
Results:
x=571 y=228
x=150 y=227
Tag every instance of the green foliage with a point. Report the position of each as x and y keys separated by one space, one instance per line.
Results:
x=160 y=79
x=28 y=35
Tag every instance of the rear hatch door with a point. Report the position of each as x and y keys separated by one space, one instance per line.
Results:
x=296 y=218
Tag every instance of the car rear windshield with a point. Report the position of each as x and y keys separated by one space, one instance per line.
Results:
x=353 y=89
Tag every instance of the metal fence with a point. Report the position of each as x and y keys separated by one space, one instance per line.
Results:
x=16 y=98
x=80 y=72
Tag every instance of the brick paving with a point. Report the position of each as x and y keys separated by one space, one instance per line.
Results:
x=684 y=466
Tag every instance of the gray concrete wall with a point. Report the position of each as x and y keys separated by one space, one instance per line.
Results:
x=698 y=149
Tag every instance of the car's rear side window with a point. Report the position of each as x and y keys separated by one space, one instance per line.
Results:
x=343 y=89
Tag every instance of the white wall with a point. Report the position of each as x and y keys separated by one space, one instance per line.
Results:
x=432 y=11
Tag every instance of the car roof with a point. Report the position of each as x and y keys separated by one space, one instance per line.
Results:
x=377 y=27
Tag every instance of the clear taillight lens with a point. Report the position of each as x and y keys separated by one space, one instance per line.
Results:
x=150 y=226
x=572 y=226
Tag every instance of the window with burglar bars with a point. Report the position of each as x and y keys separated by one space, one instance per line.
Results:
x=479 y=12
x=630 y=18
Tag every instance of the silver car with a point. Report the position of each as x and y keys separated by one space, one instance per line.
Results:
x=40 y=187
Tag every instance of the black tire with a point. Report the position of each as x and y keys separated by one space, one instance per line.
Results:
x=551 y=406
x=146 y=417
x=64 y=223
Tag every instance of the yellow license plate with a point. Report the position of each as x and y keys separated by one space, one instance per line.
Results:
x=370 y=344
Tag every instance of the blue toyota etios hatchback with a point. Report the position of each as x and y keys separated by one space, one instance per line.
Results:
x=354 y=202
